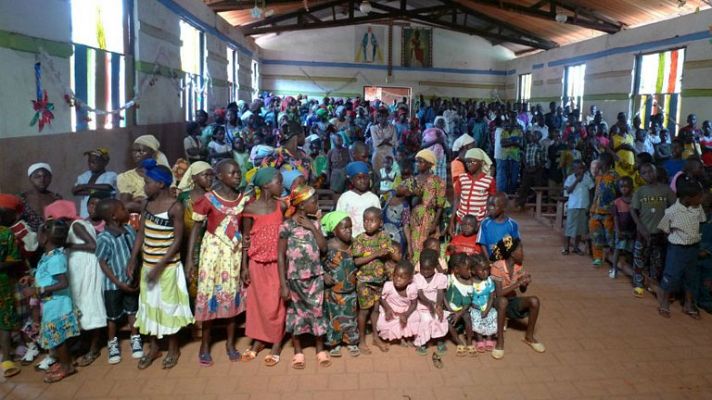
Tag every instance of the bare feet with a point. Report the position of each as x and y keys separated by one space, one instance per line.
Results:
x=381 y=345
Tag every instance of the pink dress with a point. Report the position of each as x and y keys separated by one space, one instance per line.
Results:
x=430 y=327
x=393 y=330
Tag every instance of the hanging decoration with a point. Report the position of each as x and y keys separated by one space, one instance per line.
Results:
x=43 y=108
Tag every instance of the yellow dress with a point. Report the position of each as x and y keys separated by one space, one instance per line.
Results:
x=625 y=166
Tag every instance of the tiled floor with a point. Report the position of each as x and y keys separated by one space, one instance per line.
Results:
x=601 y=343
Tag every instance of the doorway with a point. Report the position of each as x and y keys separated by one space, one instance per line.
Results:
x=387 y=94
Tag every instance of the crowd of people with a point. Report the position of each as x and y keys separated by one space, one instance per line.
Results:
x=417 y=250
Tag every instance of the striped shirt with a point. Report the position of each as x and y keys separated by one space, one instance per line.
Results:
x=159 y=236
x=682 y=224
x=473 y=193
x=115 y=251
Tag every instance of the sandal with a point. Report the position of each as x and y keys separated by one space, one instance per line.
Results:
x=353 y=350
x=437 y=361
x=247 y=355
x=664 y=312
x=481 y=347
x=323 y=358
x=335 y=352
x=565 y=252
x=498 y=354
x=205 y=359
x=298 y=361
x=461 y=350
x=148 y=359
x=234 y=356
x=471 y=351
x=421 y=351
x=9 y=369
x=58 y=374
x=489 y=345
x=578 y=251
x=87 y=359
x=170 y=361
x=271 y=360
x=536 y=346
x=441 y=348
x=694 y=314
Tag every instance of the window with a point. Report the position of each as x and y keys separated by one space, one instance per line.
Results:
x=233 y=66
x=574 y=77
x=525 y=87
x=192 y=61
x=98 y=65
x=658 y=79
x=255 y=78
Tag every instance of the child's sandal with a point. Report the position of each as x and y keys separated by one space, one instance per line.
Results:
x=58 y=374
x=481 y=347
x=298 y=361
x=170 y=361
x=461 y=351
x=489 y=345
x=565 y=252
x=353 y=350
x=335 y=352
x=87 y=359
x=323 y=359
x=472 y=351
x=421 y=351
x=271 y=360
x=9 y=369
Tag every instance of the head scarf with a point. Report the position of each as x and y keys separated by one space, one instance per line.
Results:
x=428 y=156
x=331 y=220
x=321 y=113
x=462 y=141
x=149 y=141
x=356 y=167
x=35 y=167
x=479 y=154
x=157 y=174
x=195 y=168
x=264 y=176
x=299 y=195
x=504 y=248
x=288 y=178
x=246 y=115
x=11 y=202
x=101 y=152
x=61 y=209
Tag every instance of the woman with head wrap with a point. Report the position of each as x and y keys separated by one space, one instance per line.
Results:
x=434 y=140
x=290 y=155
x=196 y=182
x=430 y=189
x=383 y=137
x=266 y=311
x=472 y=189
x=301 y=274
x=39 y=196
x=130 y=183
x=509 y=275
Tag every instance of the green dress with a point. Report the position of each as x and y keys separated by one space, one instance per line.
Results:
x=371 y=277
x=340 y=299
x=9 y=252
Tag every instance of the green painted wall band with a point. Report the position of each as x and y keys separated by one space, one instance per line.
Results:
x=30 y=44
x=696 y=93
x=606 y=97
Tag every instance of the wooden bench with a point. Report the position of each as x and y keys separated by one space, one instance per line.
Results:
x=327 y=200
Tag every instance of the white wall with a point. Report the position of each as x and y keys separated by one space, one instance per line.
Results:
x=610 y=61
x=463 y=65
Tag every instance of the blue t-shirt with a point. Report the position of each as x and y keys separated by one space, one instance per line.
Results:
x=492 y=232
x=672 y=167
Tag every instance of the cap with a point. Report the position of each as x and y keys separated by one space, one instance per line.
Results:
x=102 y=152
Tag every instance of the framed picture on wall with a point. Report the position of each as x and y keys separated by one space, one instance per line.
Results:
x=369 y=46
x=417 y=48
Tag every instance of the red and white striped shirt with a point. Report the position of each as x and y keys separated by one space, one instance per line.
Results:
x=473 y=193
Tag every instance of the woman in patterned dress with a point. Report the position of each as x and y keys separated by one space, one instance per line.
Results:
x=218 y=295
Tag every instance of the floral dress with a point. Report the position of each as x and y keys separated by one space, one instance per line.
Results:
x=305 y=311
x=482 y=291
x=34 y=218
x=59 y=320
x=218 y=294
x=340 y=298
x=9 y=252
x=431 y=192
x=370 y=277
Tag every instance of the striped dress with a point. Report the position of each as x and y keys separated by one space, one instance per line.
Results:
x=473 y=195
x=164 y=307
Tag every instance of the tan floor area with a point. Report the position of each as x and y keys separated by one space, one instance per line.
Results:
x=601 y=343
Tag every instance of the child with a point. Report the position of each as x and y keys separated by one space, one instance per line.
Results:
x=84 y=274
x=387 y=176
x=241 y=157
x=434 y=245
x=497 y=224
x=10 y=260
x=601 y=222
x=340 y=280
x=338 y=158
x=509 y=275
x=483 y=314
x=164 y=306
x=623 y=223
x=675 y=162
x=302 y=275
x=113 y=250
x=95 y=219
x=533 y=163
x=577 y=187
x=218 y=149
x=355 y=201
x=51 y=286
x=458 y=300
x=218 y=295
x=663 y=150
x=264 y=320
x=96 y=180
x=397 y=319
x=396 y=217
x=431 y=287
x=466 y=241
x=374 y=254
x=682 y=224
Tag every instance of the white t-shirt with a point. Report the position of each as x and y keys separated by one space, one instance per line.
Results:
x=580 y=197
x=355 y=204
x=498 y=144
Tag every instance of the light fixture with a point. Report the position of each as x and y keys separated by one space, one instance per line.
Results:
x=365 y=7
x=561 y=18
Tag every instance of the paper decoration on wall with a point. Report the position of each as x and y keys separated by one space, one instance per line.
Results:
x=369 y=44
x=43 y=108
x=417 y=48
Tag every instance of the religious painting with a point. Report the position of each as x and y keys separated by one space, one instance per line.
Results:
x=369 y=44
x=417 y=48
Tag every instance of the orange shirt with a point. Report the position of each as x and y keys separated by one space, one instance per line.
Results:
x=501 y=273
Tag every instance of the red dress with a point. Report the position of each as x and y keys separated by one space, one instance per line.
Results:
x=266 y=312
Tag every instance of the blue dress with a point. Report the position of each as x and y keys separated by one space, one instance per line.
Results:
x=59 y=321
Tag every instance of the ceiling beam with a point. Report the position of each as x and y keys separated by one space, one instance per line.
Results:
x=290 y=15
x=578 y=20
x=589 y=13
x=320 y=25
x=233 y=5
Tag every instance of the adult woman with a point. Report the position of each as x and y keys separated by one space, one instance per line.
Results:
x=433 y=140
x=430 y=189
x=131 y=183
x=383 y=136
x=290 y=156
x=36 y=199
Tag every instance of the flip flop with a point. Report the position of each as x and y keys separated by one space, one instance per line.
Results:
x=234 y=356
x=461 y=350
x=564 y=252
x=694 y=314
x=437 y=361
x=87 y=359
x=664 y=312
x=146 y=361
x=421 y=351
x=335 y=352
x=58 y=374
x=471 y=351
x=9 y=369
x=441 y=348
x=536 y=346
x=271 y=360
x=353 y=350
x=170 y=361
x=489 y=345
x=298 y=361
x=323 y=358
x=497 y=354
x=481 y=347
x=205 y=359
